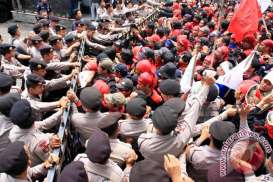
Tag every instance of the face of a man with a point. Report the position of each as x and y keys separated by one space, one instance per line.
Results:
x=266 y=86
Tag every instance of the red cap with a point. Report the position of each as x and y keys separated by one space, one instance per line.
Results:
x=145 y=79
x=144 y=66
x=185 y=42
x=91 y=66
x=188 y=26
x=223 y=50
x=102 y=87
x=177 y=13
x=268 y=43
x=245 y=86
x=176 y=6
x=154 y=38
x=270 y=15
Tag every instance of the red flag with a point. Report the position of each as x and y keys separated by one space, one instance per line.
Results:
x=246 y=19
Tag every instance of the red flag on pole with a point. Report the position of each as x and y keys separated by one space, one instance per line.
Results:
x=246 y=19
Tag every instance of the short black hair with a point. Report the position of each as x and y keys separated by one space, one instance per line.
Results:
x=110 y=52
x=5 y=90
x=127 y=56
x=217 y=143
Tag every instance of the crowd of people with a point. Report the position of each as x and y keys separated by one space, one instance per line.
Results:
x=131 y=119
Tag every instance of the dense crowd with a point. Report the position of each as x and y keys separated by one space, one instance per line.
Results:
x=133 y=117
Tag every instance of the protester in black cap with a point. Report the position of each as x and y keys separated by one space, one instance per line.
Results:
x=169 y=88
x=126 y=87
x=167 y=71
x=96 y=159
x=87 y=123
x=121 y=70
x=10 y=65
x=29 y=131
x=6 y=82
x=119 y=150
x=73 y=172
x=6 y=103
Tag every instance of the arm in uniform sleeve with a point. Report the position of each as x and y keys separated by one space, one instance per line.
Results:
x=95 y=45
x=183 y=163
x=37 y=171
x=56 y=84
x=42 y=149
x=199 y=127
x=58 y=66
x=187 y=122
x=44 y=106
x=49 y=122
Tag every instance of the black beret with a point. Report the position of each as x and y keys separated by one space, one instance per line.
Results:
x=98 y=147
x=222 y=130
x=20 y=114
x=44 y=35
x=44 y=22
x=36 y=39
x=70 y=37
x=168 y=71
x=7 y=101
x=136 y=107
x=12 y=29
x=46 y=50
x=34 y=79
x=59 y=28
x=37 y=28
x=109 y=119
x=165 y=119
x=170 y=87
x=91 y=97
x=91 y=26
x=126 y=84
x=36 y=64
x=14 y=159
x=176 y=104
x=54 y=18
x=73 y=172
x=5 y=80
x=5 y=48
x=54 y=39
x=149 y=170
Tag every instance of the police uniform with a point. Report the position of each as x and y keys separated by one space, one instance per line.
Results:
x=174 y=142
x=14 y=161
x=131 y=127
x=35 y=53
x=13 y=68
x=38 y=141
x=96 y=160
x=87 y=123
x=6 y=103
x=37 y=105
x=202 y=157
x=119 y=149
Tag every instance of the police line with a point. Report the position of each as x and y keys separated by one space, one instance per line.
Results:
x=64 y=132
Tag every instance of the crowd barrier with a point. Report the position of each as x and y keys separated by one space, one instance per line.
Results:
x=65 y=152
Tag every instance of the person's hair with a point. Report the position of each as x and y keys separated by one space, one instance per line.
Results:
x=110 y=52
x=224 y=25
x=217 y=143
x=111 y=130
x=127 y=55
x=168 y=57
x=15 y=173
x=5 y=90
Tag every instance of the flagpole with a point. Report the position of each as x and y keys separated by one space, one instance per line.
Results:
x=265 y=26
x=218 y=30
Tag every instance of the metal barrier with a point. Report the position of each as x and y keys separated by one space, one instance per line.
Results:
x=65 y=125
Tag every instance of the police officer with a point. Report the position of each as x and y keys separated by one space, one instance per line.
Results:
x=119 y=150
x=9 y=64
x=96 y=159
x=36 y=45
x=57 y=45
x=15 y=164
x=201 y=157
x=15 y=34
x=30 y=133
x=33 y=93
x=6 y=103
x=6 y=83
x=87 y=123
